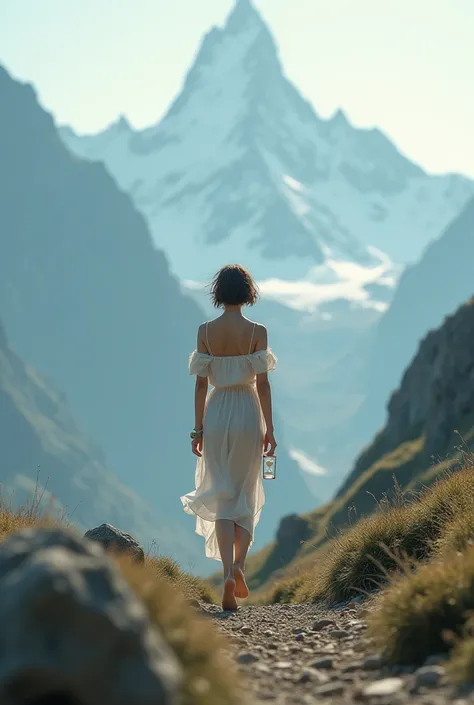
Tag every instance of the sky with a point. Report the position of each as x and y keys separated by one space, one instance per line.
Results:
x=405 y=66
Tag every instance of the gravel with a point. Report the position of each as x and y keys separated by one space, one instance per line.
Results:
x=307 y=654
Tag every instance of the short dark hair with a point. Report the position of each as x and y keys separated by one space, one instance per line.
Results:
x=233 y=285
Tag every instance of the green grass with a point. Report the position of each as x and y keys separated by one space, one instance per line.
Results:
x=190 y=586
x=412 y=527
x=461 y=664
x=422 y=612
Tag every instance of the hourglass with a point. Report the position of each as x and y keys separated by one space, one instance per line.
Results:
x=269 y=467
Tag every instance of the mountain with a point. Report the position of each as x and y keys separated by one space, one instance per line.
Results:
x=46 y=460
x=88 y=300
x=326 y=215
x=429 y=429
x=241 y=167
x=427 y=292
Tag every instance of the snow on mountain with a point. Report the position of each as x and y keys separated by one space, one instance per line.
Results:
x=242 y=168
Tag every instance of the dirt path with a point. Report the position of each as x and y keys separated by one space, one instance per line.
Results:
x=305 y=655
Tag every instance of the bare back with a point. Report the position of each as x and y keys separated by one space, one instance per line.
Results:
x=231 y=334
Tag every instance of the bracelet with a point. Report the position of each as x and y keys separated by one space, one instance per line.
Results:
x=196 y=434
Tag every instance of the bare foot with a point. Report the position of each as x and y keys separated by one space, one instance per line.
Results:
x=228 y=598
x=241 y=589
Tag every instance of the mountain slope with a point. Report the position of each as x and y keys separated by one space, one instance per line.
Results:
x=241 y=167
x=38 y=435
x=87 y=299
x=430 y=426
x=427 y=292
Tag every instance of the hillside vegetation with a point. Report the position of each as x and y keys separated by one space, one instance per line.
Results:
x=414 y=560
x=429 y=430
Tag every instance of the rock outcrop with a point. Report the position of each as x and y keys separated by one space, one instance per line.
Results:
x=115 y=540
x=73 y=631
x=429 y=414
x=427 y=292
x=429 y=429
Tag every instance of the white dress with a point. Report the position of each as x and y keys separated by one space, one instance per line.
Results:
x=228 y=476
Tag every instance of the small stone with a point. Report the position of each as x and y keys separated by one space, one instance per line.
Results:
x=282 y=665
x=384 y=687
x=247 y=657
x=360 y=645
x=322 y=624
x=352 y=667
x=112 y=539
x=268 y=632
x=299 y=637
x=355 y=602
x=339 y=634
x=435 y=659
x=330 y=689
x=373 y=663
x=326 y=662
x=429 y=676
x=246 y=630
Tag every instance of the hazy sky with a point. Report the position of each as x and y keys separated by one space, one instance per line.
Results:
x=406 y=66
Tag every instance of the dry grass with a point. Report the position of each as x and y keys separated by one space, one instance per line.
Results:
x=458 y=535
x=190 y=586
x=209 y=678
x=423 y=612
x=287 y=590
x=26 y=517
x=461 y=664
x=415 y=527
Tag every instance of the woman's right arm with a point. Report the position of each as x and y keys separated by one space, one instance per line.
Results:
x=265 y=395
x=200 y=395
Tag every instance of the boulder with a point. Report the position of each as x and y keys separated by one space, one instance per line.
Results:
x=72 y=630
x=116 y=540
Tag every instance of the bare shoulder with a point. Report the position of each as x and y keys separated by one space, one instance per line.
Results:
x=201 y=339
x=261 y=336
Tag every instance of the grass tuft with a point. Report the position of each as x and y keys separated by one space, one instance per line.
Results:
x=422 y=612
x=461 y=664
x=409 y=528
x=190 y=586
x=209 y=677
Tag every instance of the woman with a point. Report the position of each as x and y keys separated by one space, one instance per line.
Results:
x=233 y=427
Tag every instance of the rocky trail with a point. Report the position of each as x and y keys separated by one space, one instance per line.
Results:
x=306 y=654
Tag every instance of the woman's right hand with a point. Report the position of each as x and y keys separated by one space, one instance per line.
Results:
x=196 y=446
x=269 y=444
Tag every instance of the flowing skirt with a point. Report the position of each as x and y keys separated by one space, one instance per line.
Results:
x=228 y=476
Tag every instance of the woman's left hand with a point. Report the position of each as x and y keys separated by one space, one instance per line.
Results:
x=196 y=445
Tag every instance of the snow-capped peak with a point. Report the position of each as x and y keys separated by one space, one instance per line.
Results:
x=243 y=17
x=242 y=168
